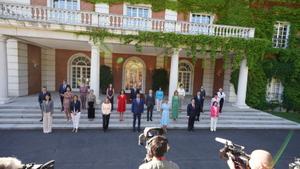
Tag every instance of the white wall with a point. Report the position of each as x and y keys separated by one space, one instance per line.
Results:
x=48 y=68
x=108 y=59
x=170 y=15
x=102 y=8
x=160 y=62
x=17 y=68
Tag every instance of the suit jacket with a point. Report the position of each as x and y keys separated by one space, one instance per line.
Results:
x=150 y=101
x=137 y=107
x=42 y=96
x=197 y=102
x=75 y=106
x=191 y=111
x=63 y=89
x=202 y=94
x=47 y=107
x=133 y=93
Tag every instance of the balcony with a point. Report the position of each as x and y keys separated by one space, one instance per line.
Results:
x=22 y=12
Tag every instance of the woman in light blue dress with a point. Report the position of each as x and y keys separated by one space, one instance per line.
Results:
x=165 y=114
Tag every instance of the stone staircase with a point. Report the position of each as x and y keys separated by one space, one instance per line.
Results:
x=27 y=116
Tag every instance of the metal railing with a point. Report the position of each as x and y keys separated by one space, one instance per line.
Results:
x=94 y=19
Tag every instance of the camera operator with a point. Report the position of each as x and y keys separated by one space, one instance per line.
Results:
x=259 y=159
x=158 y=146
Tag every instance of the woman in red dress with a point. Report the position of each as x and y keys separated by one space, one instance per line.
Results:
x=121 y=104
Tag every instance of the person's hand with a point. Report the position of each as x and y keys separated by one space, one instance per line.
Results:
x=230 y=163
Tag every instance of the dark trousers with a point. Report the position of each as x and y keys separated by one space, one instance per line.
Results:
x=91 y=110
x=138 y=117
x=198 y=107
x=149 y=112
x=41 y=110
x=111 y=100
x=62 y=102
x=201 y=105
x=105 y=121
x=221 y=104
x=197 y=117
x=191 y=123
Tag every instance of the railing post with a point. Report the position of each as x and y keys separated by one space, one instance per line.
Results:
x=95 y=19
x=251 y=33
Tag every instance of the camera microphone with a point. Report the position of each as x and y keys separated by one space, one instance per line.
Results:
x=223 y=141
x=228 y=143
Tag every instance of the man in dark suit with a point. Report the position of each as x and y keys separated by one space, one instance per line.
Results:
x=133 y=92
x=150 y=102
x=62 y=89
x=137 y=108
x=202 y=95
x=41 y=98
x=191 y=112
x=198 y=105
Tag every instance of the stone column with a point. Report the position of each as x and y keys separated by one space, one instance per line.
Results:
x=95 y=70
x=242 y=85
x=173 y=73
x=17 y=67
x=3 y=71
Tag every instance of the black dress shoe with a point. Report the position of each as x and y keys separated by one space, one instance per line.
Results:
x=41 y=120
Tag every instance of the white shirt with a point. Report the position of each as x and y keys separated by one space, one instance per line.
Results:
x=181 y=91
x=221 y=95
x=106 y=108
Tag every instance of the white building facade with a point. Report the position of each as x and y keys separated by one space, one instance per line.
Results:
x=39 y=47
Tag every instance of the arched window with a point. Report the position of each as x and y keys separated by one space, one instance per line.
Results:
x=185 y=76
x=134 y=74
x=274 y=90
x=80 y=69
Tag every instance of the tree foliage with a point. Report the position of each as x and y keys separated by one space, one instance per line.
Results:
x=160 y=78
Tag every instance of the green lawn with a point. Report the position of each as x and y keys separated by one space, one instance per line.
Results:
x=290 y=116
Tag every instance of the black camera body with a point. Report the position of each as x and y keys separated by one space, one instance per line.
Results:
x=235 y=152
x=148 y=134
x=146 y=138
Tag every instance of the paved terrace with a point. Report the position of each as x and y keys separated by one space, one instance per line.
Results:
x=24 y=113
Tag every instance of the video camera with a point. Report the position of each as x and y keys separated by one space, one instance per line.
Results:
x=147 y=136
x=47 y=165
x=149 y=133
x=295 y=165
x=235 y=152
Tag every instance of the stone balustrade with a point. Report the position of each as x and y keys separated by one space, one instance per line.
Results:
x=94 y=19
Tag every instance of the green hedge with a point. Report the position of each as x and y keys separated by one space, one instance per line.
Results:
x=160 y=78
x=106 y=77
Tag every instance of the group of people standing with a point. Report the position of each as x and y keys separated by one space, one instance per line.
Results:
x=72 y=105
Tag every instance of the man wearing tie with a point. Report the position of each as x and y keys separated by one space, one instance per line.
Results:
x=62 y=90
x=137 y=108
x=133 y=92
x=198 y=105
x=202 y=96
x=221 y=98
x=150 y=102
